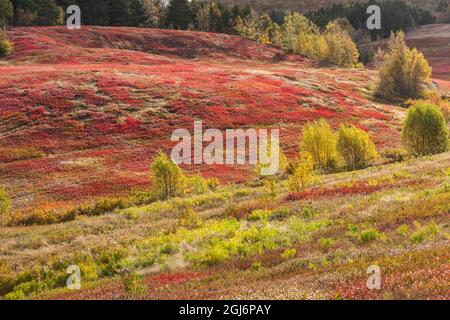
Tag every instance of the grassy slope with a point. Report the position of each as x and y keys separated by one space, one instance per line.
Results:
x=414 y=264
x=83 y=112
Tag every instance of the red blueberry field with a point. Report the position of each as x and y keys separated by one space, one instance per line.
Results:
x=83 y=113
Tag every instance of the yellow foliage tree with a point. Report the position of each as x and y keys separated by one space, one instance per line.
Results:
x=402 y=71
x=168 y=179
x=342 y=51
x=320 y=142
x=303 y=174
x=355 y=147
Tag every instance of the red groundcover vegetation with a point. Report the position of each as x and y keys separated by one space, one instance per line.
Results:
x=82 y=113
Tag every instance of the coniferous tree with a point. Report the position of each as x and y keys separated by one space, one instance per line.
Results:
x=6 y=12
x=25 y=12
x=93 y=12
x=48 y=13
x=136 y=13
x=178 y=15
x=119 y=12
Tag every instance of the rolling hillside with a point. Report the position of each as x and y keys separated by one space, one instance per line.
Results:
x=82 y=114
x=88 y=109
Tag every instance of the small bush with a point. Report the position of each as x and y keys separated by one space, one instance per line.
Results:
x=424 y=233
x=6 y=45
x=256 y=266
x=130 y=214
x=143 y=197
x=101 y=207
x=258 y=215
x=320 y=141
x=113 y=261
x=307 y=211
x=326 y=243
x=15 y=295
x=196 y=184
x=5 y=203
x=280 y=213
x=395 y=155
x=167 y=178
x=134 y=285
x=270 y=189
x=213 y=183
x=425 y=130
x=289 y=254
x=355 y=147
x=369 y=235
x=189 y=219
x=303 y=174
x=403 y=230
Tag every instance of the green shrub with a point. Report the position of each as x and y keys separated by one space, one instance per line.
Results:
x=5 y=203
x=307 y=211
x=270 y=189
x=143 y=197
x=369 y=235
x=425 y=130
x=326 y=243
x=424 y=233
x=280 y=213
x=213 y=183
x=134 y=285
x=189 y=219
x=402 y=70
x=167 y=178
x=47 y=217
x=101 y=207
x=355 y=147
x=196 y=184
x=113 y=261
x=403 y=230
x=258 y=215
x=289 y=254
x=256 y=266
x=320 y=142
x=6 y=45
x=15 y=295
x=303 y=174
x=395 y=155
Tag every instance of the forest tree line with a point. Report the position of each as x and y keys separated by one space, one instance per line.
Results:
x=212 y=16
